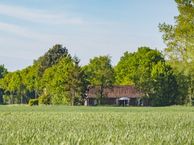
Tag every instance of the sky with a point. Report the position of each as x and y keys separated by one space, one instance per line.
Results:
x=87 y=28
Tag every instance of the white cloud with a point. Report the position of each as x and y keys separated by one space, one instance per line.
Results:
x=14 y=29
x=38 y=16
x=27 y=33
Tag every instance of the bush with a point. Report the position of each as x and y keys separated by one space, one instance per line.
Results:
x=60 y=99
x=44 y=99
x=33 y=102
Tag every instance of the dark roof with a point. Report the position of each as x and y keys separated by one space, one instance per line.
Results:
x=115 y=92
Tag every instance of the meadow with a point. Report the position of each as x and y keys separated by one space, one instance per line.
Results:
x=62 y=125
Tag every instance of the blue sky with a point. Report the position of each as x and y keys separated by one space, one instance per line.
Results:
x=88 y=28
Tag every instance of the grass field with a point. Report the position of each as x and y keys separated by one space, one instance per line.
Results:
x=24 y=125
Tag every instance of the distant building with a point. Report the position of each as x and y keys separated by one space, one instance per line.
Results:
x=116 y=95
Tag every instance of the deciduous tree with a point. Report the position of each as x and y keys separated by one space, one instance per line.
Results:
x=100 y=73
x=180 y=43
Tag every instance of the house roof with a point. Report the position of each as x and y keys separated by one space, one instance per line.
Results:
x=115 y=92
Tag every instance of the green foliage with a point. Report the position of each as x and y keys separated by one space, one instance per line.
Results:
x=99 y=72
x=13 y=84
x=57 y=78
x=51 y=57
x=33 y=102
x=180 y=46
x=124 y=69
x=55 y=125
x=66 y=81
x=7 y=99
x=3 y=71
x=60 y=99
x=44 y=99
x=56 y=72
x=147 y=70
x=136 y=66
x=165 y=88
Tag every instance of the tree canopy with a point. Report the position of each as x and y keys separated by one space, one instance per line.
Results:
x=55 y=76
x=3 y=71
x=180 y=45
x=147 y=70
x=100 y=73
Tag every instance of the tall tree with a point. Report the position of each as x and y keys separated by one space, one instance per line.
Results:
x=180 y=42
x=146 y=69
x=75 y=80
x=100 y=73
x=3 y=72
x=135 y=68
x=165 y=88
x=51 y=57
x=12 y=86
x=66 y=83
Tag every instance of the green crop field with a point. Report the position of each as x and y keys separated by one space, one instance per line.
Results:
x=53 y=125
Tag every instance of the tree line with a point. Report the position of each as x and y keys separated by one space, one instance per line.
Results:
x=165 y=78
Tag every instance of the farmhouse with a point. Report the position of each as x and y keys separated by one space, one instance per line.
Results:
x=115 y=95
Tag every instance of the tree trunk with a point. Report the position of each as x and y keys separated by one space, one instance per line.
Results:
x=72 y=97
x=101 y=93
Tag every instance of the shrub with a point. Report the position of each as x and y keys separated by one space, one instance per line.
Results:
x=60 y=99
x=44 y=99
x=33 y=102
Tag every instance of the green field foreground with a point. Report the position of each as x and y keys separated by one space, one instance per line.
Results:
x=59 y=125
